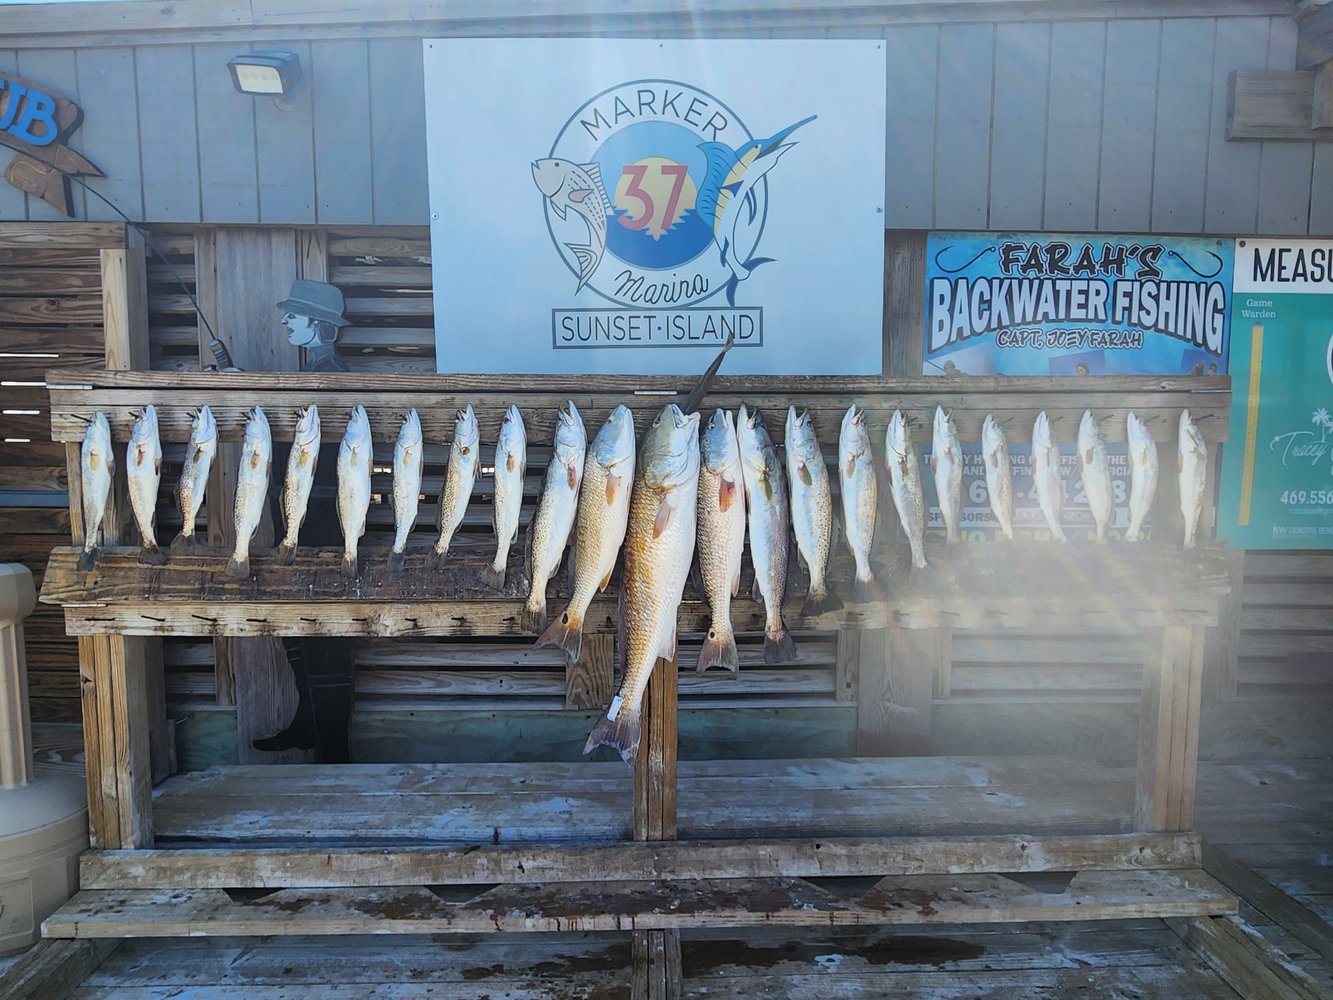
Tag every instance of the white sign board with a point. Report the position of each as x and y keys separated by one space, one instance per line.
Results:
x=612 y=205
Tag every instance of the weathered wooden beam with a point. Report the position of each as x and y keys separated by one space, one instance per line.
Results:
x=588 y=681
x=1272 y=104
x=478 y=864
x=1246 y=960
x=64 y=236
x=1314 y=43
x=1321 y=111
x=655 y=765
x=1168 y=747
x=53 y=970
x=912 y=658
x=1222 y=643
x=641 y=906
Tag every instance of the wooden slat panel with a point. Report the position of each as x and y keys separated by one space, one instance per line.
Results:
x=1184 y=91
x=55 y=340
x=1231 y=196
x=285 y=143
x=168 y=127
x=963 y=126
x=68 y=236
x=48 y=281
x=1129 y=104
x=110 y=129
x=410 y=243
x=1321 y=209
x=339 y=73
x=910 y=131
x=229 y=182
x=1073 y=129
x=397 y=141
x=1018 y=144
x=45 y=310
x=1284 y=167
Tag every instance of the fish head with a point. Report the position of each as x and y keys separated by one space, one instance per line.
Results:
x=466 y=433
x=1088 y=431
x=1191 y=438
x=614 y=443
x=358 y=423
x=97 y=438
x=307 y=427
x=898 y=440
x=549 y=174
x=256 y=428
x=854 y=436
x=570 y=439
x=1041 y=431
x=718 y=447
x=409 y=433
x=145 y=426
x=992 y=435
x=513 y=435
x=945 y=431
x=1136 y=430
x=801 y=439
x=670 y=451
x=756 y=446
x=204 y=430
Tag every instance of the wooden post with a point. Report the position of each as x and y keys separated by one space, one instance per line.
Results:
x=1223 y=641
x=655 y=968
x=589 y=680
x=897 y=681
x=846 y=664
x=1169 y=729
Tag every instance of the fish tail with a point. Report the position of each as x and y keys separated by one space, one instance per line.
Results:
x=1132 y=535
x=494 y=576
x=238 y=566
x=183 y=543
x=1059 y=534
x=397 y=560
x=719 y=650
x=820 y=601
x=565 y=633
x=349 y=563
x=919 y=555
x=86 y=558
x=442 y=549
x=779 y=647
x=622 y=733
x=865 y=590
x=151 y=555
x=534 y=612
x=287 y=552
x=588 y=260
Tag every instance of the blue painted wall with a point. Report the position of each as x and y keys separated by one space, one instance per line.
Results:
x=1111 y=124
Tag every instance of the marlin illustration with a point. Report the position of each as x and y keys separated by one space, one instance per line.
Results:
x=729 y=187
x=577 y=186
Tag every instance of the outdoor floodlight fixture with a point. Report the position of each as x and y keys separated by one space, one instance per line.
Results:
x=266 y=74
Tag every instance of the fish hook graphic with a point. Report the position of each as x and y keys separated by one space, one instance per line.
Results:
x=1220 y=263
x=955 y=270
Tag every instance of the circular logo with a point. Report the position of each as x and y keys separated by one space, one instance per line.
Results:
x=1328 y=357
x=655 y=193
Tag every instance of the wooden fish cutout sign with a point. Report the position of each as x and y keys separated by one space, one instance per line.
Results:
x=38 y=123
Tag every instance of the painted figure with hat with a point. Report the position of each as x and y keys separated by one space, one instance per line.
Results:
x=313 y=315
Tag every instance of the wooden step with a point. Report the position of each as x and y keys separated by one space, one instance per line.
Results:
x=584 y=906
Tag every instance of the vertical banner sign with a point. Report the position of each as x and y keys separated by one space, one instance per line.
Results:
x=1277 y=467
x=605 y=205
x=1069 y=304
x=1044 y=304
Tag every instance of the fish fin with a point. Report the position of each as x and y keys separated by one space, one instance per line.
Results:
x=511 y=460
x=697 y=580
x=183 y=543
x=572 y=475
x=397 y=560
x=606 y=579
x=865 y=591
x=718 y=651
x=934 y=462
x=1087 y=457
x=780 y=648
x=157 y=466
x=534 y=613
x=238 y=569
x=287 y=553
x=667 y=649
x=254 y=460
x=559 y=210
x=493 y=576
x=613 y=484
x=94 y=461
x=665 y=512
x=726 y=494
x=993 y=460
x=755 y=593
x=623 y=734
x=565 y=633
x=1131 y=536
x=851 y=468
x=151 y=555
x=804 y=472
x=86 y=558
x=820 y=603
x=588 y=260
x=736 y=582
x=578 y=195
x=349 y=565
x=766 y=487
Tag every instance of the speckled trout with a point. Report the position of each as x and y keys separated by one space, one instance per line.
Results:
x=769 y=513
x=999 y=474
x=659 y=547
x=97 y=463
x=946 y=464
x=251 y=490
x=143 y=469
x=905 y=485
x=860 y=498
x=599 y=526
x=1142 y=473
x=811 y=508
x=1193 y=455
x=1096 y=472
x=194 y=474
x=354 y=461
x=459 y=478
x=511 y=464
x=1046 y=475
x=408 y=452
x=721 y=540
x=301 y=461
x=548 y=534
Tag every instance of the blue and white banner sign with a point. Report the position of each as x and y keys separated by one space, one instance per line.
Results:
x=1068 y=304
x=609 y=205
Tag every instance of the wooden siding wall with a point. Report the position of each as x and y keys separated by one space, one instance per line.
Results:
x=1087 y=124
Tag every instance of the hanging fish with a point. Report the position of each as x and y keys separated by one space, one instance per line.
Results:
x=860 y=498
x=143 y=468
x=811 y=508
x=905 y=485
x=659 y=548
x=408 y=452
x=464 y=459
x=1193 y=455
x=999 y=474
x=766 y=505
x=98 y=466
x=548 y=533
x=1096 y=472
x=198 y=463
x=251 y=490
x=599 y=527
x=355 y=457
x=511 y=463
x=721 y=536
x=300 y=478
x=1142 y=473
x=946 y=463
x=1046 y=475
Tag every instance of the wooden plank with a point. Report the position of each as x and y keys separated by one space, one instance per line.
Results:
x=1222 y=644
x=1074 y=118
x=1272 y=104
x=169 y=127
x=49 y=310
x=228 y=171
x=963 y=103
x=1231 y=199
x=124 y=304
x=1285 y=167
x=847 y=664
x=655 y=764
x=278 y=867
x=52 y=970
x=1018 y=140
x=1315 y=45
x=1168 y=730
x=47 y=281
x=397 y=142
x=1242 y=956
x=285 y=145
x=110 y=129
x=905 y=900
x=588 y=683
x=912 y=655
x=655 y=967
x=1180 y=152
x=1129 y=106
x=1321 y=112
x=68 y=236
x=910 y=128
x=339 y=74
x=904 y=297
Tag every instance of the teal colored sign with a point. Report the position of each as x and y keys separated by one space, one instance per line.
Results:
x=1277 y=467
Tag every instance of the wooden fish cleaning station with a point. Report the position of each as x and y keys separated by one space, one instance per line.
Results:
x=906 y=839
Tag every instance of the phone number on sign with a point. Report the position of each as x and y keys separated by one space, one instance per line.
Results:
x=1306 y=496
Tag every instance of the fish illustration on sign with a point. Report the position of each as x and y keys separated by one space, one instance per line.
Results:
x=577 y=187
x=727 y=201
